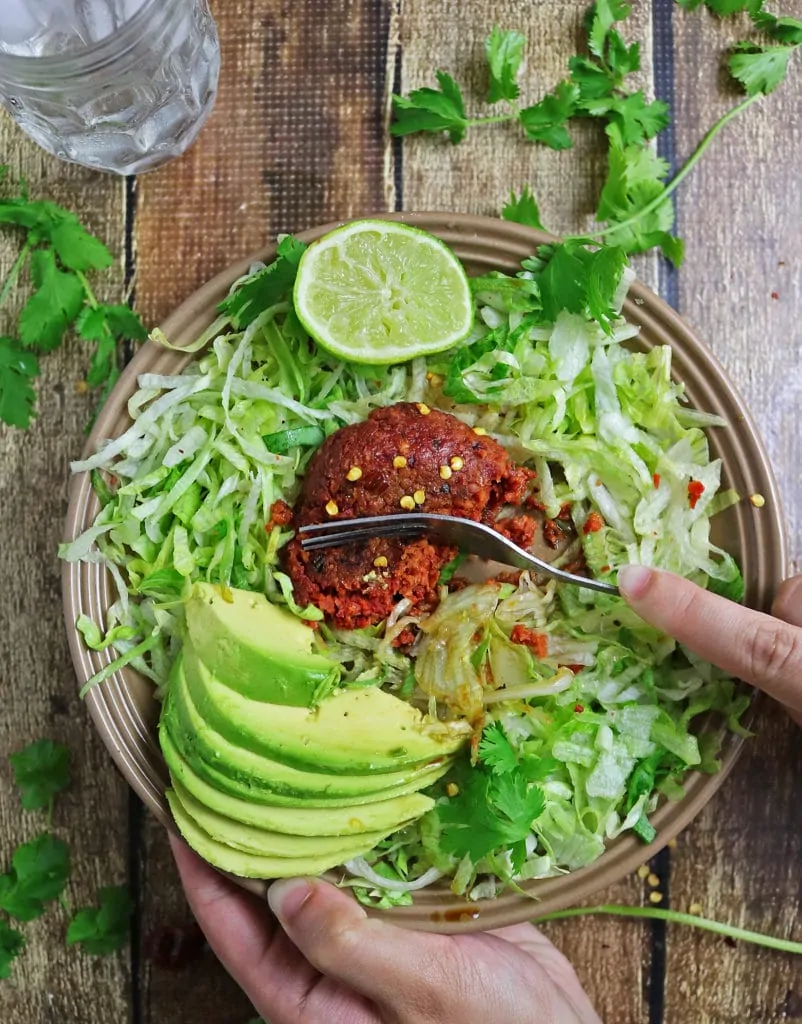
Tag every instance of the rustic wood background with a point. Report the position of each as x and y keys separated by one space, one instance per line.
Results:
x=298 y=137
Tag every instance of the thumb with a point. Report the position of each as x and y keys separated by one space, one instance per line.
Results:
x=757 y=648
x=410 y=972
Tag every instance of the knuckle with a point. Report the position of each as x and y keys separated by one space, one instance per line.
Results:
x=774 y=651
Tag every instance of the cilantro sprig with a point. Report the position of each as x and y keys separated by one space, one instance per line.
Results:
x=41 y=770
x=103 y=929
x=56 y=255
x=633 y=209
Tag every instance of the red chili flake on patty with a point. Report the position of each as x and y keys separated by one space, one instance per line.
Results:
x=280 y=515
x=593 y=523
x=539 y=642
x=695 y=491
x=578 y=708
x=404 y=638
x=656 y=480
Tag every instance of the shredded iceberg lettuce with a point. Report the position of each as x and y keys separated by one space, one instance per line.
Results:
x=584 y=714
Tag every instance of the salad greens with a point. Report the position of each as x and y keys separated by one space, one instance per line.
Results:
x=595 y=721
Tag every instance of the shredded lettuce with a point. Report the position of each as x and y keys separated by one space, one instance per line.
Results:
x=586 y=718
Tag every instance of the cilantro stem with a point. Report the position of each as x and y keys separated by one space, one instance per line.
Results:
x=14 y=272
x=495 y=119
x=676 y=917
x=90 y=295
x=691 y=162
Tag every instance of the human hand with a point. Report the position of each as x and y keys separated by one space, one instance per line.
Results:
x=764 y=650
x=321 y=960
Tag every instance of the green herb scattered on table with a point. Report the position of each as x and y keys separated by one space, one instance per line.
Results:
x=57 y=252
x=40 y=868
x=632 y=206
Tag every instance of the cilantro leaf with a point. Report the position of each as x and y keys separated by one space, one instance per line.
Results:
x=41 y=770
x=17 y=370
x=104 y=929
x=723 y=7
x=266 y=288
x=12 y=944
x=495 y=750
x=517 y=801
x=76 y=248
x=759 y=69
x=634 y=180
x=523 y=210
x=622 y=60
x=53 y=306
x=105 y=325
x=545 y=121
x=39 y=873
x=504 y=51
x=488 y=813
x=582 y=280
x=601 y=17
x=784 y=30
x=636 y=119
x=450 y=569
x=432 y=110
x=536 y=769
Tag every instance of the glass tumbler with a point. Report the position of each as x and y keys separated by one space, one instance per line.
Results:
x=116 y=85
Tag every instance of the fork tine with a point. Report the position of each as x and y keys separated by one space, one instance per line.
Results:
x=330 y=540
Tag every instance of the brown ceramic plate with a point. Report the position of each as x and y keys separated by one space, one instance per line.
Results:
x=125 y=712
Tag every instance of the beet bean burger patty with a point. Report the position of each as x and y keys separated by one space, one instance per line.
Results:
x=405 y=457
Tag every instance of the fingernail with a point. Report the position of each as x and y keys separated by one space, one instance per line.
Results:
x=634 y=580
x=287 y=896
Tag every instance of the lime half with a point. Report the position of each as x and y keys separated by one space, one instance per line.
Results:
x=380 y=292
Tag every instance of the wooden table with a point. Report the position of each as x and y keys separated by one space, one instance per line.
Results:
x=299 y=137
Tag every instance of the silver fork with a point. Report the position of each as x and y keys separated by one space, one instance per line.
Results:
x=477 y=538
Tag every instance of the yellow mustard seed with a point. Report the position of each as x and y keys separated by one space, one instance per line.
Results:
x=332 y=508
x=420 y=497
x=653 y=881
x=399 y=462
x=407 y=502
x=435 y=380
x=380 y=562
x=354 y=474
x=445 y=472
x=757 y=500
x=456 y=463
x=480 y=431
x=643 y=871
x=423 y=409
x=695 y=909
x=452 y=789
x=655 y=897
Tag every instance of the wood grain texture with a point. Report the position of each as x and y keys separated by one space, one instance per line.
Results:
x=297 y=138
x=39 y=691
x=740 y=287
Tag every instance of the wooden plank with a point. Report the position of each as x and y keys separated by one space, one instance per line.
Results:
x=476 y=177
x=39 y=692
x=740 y=287
x=297 y=138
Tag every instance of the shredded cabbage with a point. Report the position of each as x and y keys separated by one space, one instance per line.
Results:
x=597 y=713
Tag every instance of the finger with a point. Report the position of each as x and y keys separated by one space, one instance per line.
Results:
x=788 y=606
x=283 y=986
x=387 y=964
x=754 y=647
x=414 y=976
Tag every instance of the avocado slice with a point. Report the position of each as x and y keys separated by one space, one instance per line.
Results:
x=264 y=842
x=262 y=651
x=252 y=776
x=250 y=865
x=384 y=816
x=355 y=732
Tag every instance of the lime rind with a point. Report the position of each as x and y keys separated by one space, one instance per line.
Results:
x=380 y=292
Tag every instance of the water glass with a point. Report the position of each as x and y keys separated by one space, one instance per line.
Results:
x=117 y=85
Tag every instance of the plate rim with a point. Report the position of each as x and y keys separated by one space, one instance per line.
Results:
x=106 y=704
